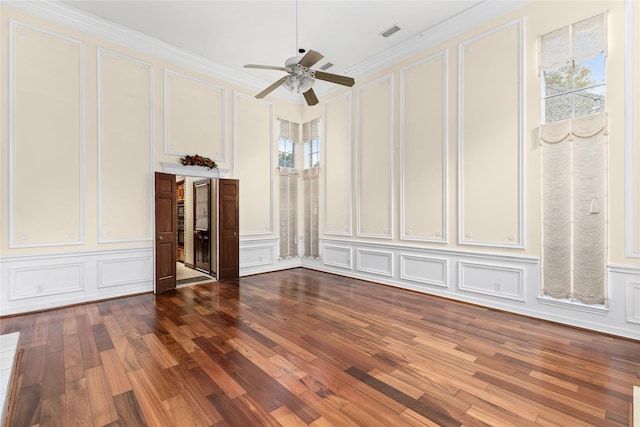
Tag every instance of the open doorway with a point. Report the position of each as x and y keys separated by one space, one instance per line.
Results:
x=224 y=249
x=196 y=242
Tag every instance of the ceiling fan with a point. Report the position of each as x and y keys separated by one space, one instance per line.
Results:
x=301 y=77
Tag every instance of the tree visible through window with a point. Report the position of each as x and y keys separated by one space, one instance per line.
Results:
x=286 y=152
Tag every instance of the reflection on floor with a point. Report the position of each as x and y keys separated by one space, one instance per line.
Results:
x=188 y=276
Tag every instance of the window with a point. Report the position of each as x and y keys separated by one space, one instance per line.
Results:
x=311 y=181
x=311 y=153
x=286 y=153
x=576 y=89
x=573 y=141
x=288 y=137
x=572 y=66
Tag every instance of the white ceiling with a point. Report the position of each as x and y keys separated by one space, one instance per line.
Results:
x=235 y=33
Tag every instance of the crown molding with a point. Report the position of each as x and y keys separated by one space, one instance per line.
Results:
x=61 y=13
x=452 y=27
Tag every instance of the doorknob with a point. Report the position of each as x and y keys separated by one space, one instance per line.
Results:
x=234 y=233
x=159 y=237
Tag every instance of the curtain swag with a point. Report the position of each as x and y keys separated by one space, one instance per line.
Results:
x=578 y=42
x=582 y=127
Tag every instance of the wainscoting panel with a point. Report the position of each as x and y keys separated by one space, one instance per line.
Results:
x=504 y=282
x=375 y=262
x=40 y=282
x=494 y=280
x=257 y=253
x=124 y=271
x=337 y=256
x=44 y=281
x=261 y=256
x=422 y=269
x=633 y=301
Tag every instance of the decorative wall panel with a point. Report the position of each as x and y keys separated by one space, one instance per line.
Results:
x=337 y=256
x=494 y=280
x=423 y=170
x=338 y=185
x=490 y=144
x=431 y=271
x=376 y=262
x=375 y=159
x=125 y=148
x=632 y=129
x=46 y=137
x=194 y=117
x=253 y=143
x=42 y=281
x=124 y=271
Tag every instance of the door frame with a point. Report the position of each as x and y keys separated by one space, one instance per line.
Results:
x=186 y=171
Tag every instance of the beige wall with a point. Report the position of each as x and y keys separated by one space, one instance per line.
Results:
x=93 y=120
x=492 y=83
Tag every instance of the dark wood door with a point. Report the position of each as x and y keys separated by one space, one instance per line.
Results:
x=165 y=196
x=228 y=229
x=202 y=225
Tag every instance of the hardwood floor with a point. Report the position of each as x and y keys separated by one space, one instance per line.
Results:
x=300 y=347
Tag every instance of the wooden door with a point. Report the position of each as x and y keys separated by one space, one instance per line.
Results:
x=228 y=229
x=165 y=197
x=202 y=225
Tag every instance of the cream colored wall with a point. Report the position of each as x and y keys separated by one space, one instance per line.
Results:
x=488 y=117
x=635 y=162
x=65 y=172
x=84 y=162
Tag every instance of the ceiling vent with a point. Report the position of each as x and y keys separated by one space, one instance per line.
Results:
x=389 y=31
x=326 y=66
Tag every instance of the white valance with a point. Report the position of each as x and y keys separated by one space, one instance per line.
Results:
x=289 y=130
x=310 y=130
x=581 y=41
x=582 y=127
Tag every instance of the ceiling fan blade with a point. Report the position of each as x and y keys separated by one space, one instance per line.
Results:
x=266 y=67
x=272 y=87
x=310 y=58
x=335 y=78
x=310 y=97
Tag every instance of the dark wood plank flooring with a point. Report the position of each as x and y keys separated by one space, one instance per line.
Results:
x=304 y=348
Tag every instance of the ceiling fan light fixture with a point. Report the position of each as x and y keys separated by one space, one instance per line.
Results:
x=305 y=84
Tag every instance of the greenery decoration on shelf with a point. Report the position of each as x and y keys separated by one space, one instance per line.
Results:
x=197 y=160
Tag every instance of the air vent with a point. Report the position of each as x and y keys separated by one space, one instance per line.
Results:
x=326 y=66
x=389 y=31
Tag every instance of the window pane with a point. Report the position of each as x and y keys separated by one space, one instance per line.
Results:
x=558 y=81
x=281 y=145
x=315 y=161
x=590 y=101
x=558 y=108
x=590 y=73
x=314 y=145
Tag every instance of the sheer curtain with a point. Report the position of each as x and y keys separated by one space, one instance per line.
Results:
x=288 y=179
x=311 y=179
x=574 y=209
x=288 y=196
